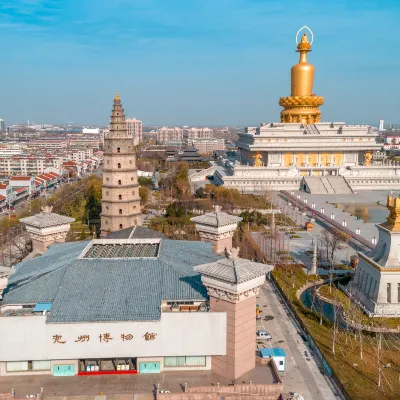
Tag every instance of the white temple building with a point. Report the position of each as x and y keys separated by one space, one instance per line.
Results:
x=376 y=285
x=301 y=152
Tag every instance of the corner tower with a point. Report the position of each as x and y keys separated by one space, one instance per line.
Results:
x=302 y=105
x=120 y=193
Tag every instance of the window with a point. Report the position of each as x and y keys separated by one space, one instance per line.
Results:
x=192 y=361
x=398 y=292
x=39 y=365
x=106 y=207
x=280 y=362
x=108 y=161
x=120 y=196
x=130 y=161
x=106 y=193
x=131 y=178
x=119 y=165
x=120 y=212
x=389 y=292
x=119 y=182
x=120 y=226
x=118 y=150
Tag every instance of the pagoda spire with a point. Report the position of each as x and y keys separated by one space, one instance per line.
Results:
x=302 y=105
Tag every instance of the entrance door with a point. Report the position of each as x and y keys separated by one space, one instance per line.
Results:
x=149 y=367
x=63 y=370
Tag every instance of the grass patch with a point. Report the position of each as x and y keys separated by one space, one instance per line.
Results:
x=358 y=376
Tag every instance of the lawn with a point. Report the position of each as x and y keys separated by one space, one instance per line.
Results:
x=358 y=376
x=344 y=300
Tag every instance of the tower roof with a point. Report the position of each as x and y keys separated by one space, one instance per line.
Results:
x=46 y=219
x=216 y=219
x=233 y=269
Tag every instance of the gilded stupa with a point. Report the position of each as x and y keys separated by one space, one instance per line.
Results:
x=302 y=105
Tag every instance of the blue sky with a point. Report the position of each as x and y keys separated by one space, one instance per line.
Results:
x=195 y=62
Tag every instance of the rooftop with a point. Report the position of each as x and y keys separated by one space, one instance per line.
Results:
x=233 y=269
x=98 y=289
x=216 y=218
x=46 y=219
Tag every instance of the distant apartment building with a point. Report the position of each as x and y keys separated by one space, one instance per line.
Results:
x=135 y=130
x=10 y=149
x=91 y=142
x=170 y=136
x=47 y=144
x=198 y=133
x=2 y=125
x=207 y=146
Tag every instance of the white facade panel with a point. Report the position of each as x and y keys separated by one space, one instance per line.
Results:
x=177 y=334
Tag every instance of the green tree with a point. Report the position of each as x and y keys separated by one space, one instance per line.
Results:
x=143 y=181
x=170 y=210
x=93 y=205
x=200 y=193
x=36 y=206
x=144 y=193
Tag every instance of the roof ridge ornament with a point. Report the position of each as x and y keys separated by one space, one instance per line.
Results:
x=233 y=253
x=47 y=209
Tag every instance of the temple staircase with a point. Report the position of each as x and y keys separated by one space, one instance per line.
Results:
x=325 y=185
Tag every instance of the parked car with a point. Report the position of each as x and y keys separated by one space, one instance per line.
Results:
x=264 y=335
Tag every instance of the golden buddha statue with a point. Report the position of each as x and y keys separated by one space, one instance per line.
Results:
x=258 y=160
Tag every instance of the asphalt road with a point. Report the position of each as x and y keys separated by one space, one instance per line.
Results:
x=302 y=372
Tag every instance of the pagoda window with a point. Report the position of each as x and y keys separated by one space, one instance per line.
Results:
x=120 y=212
x=119 y=165
x=106 y=193
x=398 y=292
x=120 y=196
x=118 y=150
x=389 y=292
x=120 y=226
x=119 y=182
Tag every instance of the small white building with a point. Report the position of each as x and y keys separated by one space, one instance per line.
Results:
x=277 y=354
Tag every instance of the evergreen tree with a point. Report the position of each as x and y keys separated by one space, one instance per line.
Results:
x=93 y=205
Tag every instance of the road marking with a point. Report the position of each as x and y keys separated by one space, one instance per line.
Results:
x=294 y=362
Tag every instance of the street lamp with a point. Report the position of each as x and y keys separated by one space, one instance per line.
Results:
x=322 y=210
x=358 y=230
x=374 y=240
x=313 y=205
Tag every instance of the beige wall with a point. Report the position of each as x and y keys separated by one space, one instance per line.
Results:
x=241 y=337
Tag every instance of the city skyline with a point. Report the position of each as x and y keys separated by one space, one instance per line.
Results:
x=203 y=63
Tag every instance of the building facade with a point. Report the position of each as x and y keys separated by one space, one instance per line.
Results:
x=207 y=146
x=170 y=136
x=135 y=130
x=120 y=193
x=198 y=133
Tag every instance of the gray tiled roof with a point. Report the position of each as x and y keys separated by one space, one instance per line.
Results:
x=234 y=270
x=47 y=219
x=135 y=232
x=216 y=219
x=88 y=290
